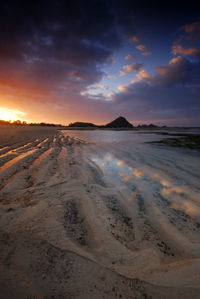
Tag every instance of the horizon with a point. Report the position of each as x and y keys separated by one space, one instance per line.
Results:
x=67 y=62
x=14 y=122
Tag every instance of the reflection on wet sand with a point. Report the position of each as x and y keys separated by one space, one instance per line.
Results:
x=168 y=206
x=115 y=169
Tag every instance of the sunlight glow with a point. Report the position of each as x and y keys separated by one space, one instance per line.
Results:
x=10 y=114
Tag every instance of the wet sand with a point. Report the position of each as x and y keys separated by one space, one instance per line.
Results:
x=97 y=215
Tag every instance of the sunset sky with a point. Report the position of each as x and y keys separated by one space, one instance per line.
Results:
x=65 y=61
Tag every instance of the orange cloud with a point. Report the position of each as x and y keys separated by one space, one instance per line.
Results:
x=142 y=75
x=110 y=95
x=185 y=43
x=135 y=67
x=133 y=81
x=188 y=51
x=175 y=60
x=144 y=50
x=122 y=88
x=122 y=73
x=129 y=57
x=192 y=27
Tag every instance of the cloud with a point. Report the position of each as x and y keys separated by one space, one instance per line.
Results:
x=176 y=60
x=133 y=81
x=135 y=39
x=113 y=59
x=101 y=86
x=129 y=57
x=185 y=43
x=110 y=77
x=135 y=67
x=105 y=87
x=188 y=51
x=122 y=88
x=143 y=75
x=192 y=27
x=179 y=71
x=110 y=95
x=170 y=96
x=144 y=50
x=122 y=73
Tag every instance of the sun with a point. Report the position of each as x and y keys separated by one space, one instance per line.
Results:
x=10 y=114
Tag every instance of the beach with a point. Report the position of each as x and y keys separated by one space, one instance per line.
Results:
x=97 y=214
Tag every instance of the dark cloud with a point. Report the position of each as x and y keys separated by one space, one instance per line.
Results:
x=41 y=34
x=63 y=29
x=59 y=45
x=172 y=94
x=52 y=50
x=179 y=71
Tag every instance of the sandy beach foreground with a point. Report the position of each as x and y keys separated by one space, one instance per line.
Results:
x=97 y=214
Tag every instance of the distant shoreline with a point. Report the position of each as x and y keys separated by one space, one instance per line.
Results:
x=60 y=127
x=129 y=129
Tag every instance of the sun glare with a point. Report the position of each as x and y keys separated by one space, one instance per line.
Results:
x=10 y=114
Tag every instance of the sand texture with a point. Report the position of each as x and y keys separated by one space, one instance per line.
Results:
x=82 y=217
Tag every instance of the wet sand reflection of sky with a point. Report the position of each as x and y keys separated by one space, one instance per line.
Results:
x=119 y=173
x=131 y=180
x=116 y=169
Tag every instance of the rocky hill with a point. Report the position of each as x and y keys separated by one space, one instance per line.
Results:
x=119 y=122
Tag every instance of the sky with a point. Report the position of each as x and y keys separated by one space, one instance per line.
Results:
x=66 y=61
